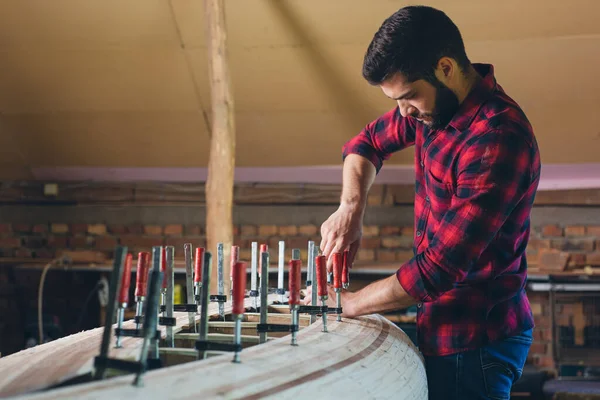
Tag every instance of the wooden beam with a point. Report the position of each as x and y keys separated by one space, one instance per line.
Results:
x=219 y=185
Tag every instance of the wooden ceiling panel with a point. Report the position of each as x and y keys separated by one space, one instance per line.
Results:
x=177 y=139
x=53 y=81
x=268 y=23
x=89 y=24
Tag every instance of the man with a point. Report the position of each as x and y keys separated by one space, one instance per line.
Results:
x=477 y=169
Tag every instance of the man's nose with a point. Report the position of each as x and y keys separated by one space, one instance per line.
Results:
x=406 y=109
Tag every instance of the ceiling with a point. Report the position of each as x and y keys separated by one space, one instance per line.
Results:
x=107 y=83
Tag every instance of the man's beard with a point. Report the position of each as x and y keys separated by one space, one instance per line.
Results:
x=446 y=106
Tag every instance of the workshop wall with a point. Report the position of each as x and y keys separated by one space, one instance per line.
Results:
x=93 y=219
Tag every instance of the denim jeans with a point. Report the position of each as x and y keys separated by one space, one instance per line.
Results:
x=486 y=373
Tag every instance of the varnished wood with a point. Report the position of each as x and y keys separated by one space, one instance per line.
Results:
x=219 y=185
x=367 y=357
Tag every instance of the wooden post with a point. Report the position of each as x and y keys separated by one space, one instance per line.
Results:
x=219 y=185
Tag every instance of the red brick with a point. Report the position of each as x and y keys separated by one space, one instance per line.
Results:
x=249 y=230
x=389 y=230
x=407 y=231
x=296 y=242
x=105 y=242
x=154 y=230
x=593 y=258
x=267 y=230
x=135 y=229
x=543 y=361
x=40 y=228
x=78 y=228
x=60 y=242
x=370 y=243
x=81 y=242
x=542 y=334
x=5 y=228
x=21 y=228
x=593 y=230
x=10 y=242
x=308 y=230
x=386 y=255
x=23 y=253
x=96 y=229
x=536 y=243
x=193 y=230
x=536 y=308
x=178 y=242
x=552 y=230
x=575 y=230
x=404 y=255
x=538 y=348
x=365 y=255
x=370 y=230
x=288 y=230
x=396 y=242
x=573 y=244
x=44 y=253
x=577 y=260
x=542 y=321
x=141 y=242
x=552 y=259
x=59 y=228
x=173 y=229
x=117 y=229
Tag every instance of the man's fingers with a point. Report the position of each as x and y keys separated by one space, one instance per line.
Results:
x=352 y=251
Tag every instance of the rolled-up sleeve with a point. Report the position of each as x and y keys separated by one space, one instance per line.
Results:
x=379 y=139
x=494 y=174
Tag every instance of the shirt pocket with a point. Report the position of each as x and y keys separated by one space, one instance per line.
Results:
x=439 y=195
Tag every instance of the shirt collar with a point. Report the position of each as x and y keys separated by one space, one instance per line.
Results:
x=476 y=97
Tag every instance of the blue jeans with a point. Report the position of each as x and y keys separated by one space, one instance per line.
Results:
x=485 y=373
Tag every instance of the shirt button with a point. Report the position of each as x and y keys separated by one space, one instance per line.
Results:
x=420 y=305
x=422 y=164
x=427 y=199
x=419 y=233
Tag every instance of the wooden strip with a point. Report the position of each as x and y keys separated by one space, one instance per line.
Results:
x=367 y=357
x=325 y=371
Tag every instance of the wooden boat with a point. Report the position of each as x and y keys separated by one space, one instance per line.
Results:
x=366 y=357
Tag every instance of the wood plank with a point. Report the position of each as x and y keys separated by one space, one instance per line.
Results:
x=221 y=163
x=366 y=357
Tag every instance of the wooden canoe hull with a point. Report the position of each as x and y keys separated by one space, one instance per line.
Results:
x=368 y=357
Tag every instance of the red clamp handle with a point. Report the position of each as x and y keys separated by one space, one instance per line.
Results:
x=337 y=270
x=198 y=263
x=346 y=268
x=294 y=282
x=163 y=266
x=321 y=269
x=125 y=281
x=239 y=287
x=235 y=257
x=264 y=248
x=141 y=278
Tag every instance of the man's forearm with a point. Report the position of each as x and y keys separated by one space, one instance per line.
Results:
x=381 y=296
x=358 y=176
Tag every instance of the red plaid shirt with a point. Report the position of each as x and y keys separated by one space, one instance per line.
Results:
x=476 y=180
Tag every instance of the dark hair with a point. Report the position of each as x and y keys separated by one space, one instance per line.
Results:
x=411 y=41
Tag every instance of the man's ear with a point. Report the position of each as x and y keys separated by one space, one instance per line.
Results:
x=446 y=69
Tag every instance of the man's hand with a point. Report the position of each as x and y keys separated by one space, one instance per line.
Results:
x=342 y=231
